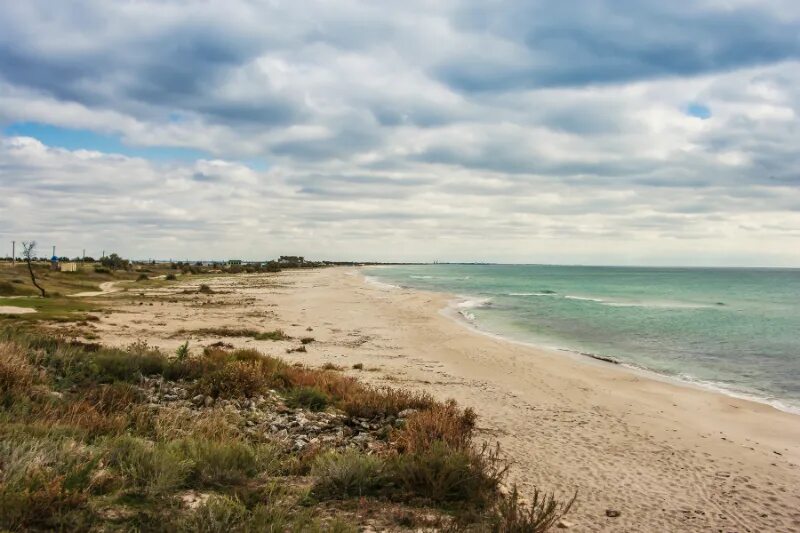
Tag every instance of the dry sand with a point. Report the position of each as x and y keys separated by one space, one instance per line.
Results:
x=668 y=457
x=15 y=310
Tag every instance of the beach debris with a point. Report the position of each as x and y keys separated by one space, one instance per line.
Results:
x=612 y=513
x=564 y=524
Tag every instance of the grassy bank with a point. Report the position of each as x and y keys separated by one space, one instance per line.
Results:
x=96 y=438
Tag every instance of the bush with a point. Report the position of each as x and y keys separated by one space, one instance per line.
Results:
x=308 y=397
x=228 y=462
x=443 y=474
x=358 y=366
x=276 y=335
x=445 y=423
x=43 y=484
x=514 y=516
x=17 y=375
x=347 y=474
x=307 y=340
x=148 y=469
x=219 y=514
x=234 y=380
x=142 y=277
x=170 y=277
x=101 y=270
x=372 y=403
x=6 y=288
x=205 y=289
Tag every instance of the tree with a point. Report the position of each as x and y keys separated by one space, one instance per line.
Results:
x=29 y=253
x=115 y=262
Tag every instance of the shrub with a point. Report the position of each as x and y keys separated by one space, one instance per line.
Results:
x=6 y=288
x=445 y=423
x=148 y=469
x=142 y=277
x=331 y=366
x=308 y=397
x=170 y=277
x=276 y=335
x=371 y=403
x=182 y=352
x=101 y=270
x=228 y=462
x=307 y=340
x=234 y=380
x=513 y=516
x=219 y=514
x=205 y=289
x=443 y=474
x=358 y=366
x=44 y=484
x=347 y=474
x=17 y=375
x=114 y=398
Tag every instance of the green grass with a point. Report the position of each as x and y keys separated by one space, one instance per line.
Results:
x=57 y=308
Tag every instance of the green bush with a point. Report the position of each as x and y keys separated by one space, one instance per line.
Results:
x=347 y=474
x=142 y=277
x=170 y=277
x=308 y=397
x=228 y=462
x=149 y=469
x=234 y=380
x=443 y=474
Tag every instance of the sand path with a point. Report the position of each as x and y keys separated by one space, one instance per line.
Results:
x=668 y=457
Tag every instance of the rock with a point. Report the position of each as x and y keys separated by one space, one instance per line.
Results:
x=208 y=401
x=197 y=400
x=612 y=513
x=405 y=413
x=564 y=524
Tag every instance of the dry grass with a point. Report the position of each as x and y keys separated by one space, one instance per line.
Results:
x=446 y=423
x=17 y=376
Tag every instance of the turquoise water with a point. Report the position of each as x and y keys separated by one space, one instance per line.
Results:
x=737 y=330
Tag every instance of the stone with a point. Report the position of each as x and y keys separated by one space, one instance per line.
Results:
x=405 y=413
x=208 y=401
x=197 y=400
x=563 y=524
x=612 y=513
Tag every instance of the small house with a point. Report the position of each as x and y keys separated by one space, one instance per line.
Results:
x=68 y=267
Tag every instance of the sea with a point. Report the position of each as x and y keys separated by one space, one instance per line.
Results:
x=734 y=330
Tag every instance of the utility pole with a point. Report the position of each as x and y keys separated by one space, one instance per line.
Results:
x=13 y=253
x=54 y=251
x=83 y=257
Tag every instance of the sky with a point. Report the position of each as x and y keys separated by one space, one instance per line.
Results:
x=631 y=132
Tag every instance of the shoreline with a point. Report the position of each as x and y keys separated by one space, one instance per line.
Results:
x=668 y=457
x=451 y=310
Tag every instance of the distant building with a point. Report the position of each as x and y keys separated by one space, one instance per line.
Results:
x=235 y=262
x=68 y=267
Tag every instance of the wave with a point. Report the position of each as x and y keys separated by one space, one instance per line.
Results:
x=380 y=284
x=532 y=294
x=463 y=307
x=583 y=298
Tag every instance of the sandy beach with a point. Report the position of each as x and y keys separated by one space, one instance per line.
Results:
x=667 y=457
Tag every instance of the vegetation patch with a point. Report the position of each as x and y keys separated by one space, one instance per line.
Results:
x=95 y=438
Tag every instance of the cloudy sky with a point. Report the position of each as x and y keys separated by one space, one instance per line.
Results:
x=596 y=131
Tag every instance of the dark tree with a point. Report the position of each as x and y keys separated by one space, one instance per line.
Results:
x=29 y=253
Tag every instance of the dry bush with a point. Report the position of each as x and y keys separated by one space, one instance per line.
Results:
x=445 y=423
x=367 y=402
x=113 y=398
x=513 y=515
x=85 y=416
x=17 y=376
x=234 y=380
